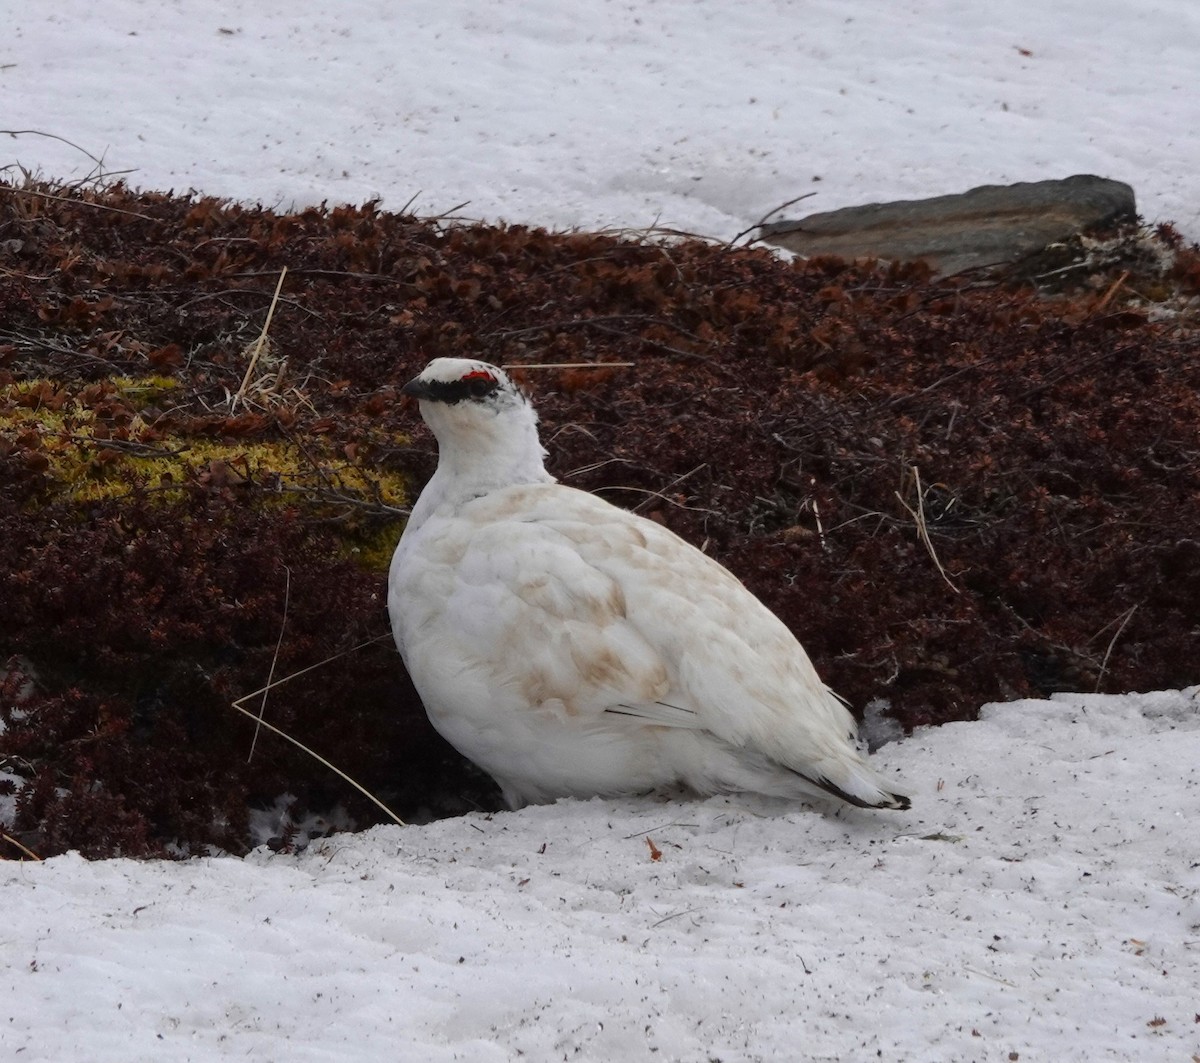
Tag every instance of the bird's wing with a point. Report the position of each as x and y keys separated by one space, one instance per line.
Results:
x=730 y=661
x=609 y=612
x=504 y=606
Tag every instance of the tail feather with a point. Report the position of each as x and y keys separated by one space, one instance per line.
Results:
x=858 y=784
x=885 y=798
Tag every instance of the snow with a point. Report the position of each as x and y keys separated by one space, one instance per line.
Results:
x=701 y=115
x=1040 y=900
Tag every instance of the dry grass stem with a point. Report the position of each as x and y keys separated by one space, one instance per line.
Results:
x=287 y=598
x=260 y=722
x=14 y=133
x=574 y=365
x=28 y=852
x=1113 y=289
x=678 y=480
x=76 y=202
x=817 y=516
x=262 y=339
x=660 y=495
x=918 y=515
x=1111 y=643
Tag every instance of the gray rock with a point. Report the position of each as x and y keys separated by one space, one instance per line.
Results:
x=987 y=226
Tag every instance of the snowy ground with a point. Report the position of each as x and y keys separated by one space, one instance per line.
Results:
x=1040 y=901
x=1041 y=898
x=699 y=114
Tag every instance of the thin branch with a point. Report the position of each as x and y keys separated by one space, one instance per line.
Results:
x=127 y=446
x=679 y=352
x=303 y=271
x=225 y=292
x=1075 y=370
x=763 y=220
x=586 y=322
x=331 y=494
x=54 y=348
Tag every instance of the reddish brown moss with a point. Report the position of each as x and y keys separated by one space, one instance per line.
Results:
x=774 y=412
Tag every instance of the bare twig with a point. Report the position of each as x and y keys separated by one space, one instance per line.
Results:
x=994 y=978
x=332 y=495
x=674 y=915
x=763 y=220
x=128 y=446
x=679 y=352
x=54 y=348
x=604 y=323
x=246 y=291
x=302 y=271
x=661 y=826
x=1076 y=369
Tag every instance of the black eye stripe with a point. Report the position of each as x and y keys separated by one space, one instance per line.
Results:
x=454 y=391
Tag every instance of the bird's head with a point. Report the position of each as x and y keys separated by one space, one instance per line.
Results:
x=454 y=381
x=481 y=419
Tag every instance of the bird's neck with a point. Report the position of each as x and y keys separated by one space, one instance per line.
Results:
x=479 y=454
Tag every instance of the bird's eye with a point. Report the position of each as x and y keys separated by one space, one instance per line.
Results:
x=479 y=384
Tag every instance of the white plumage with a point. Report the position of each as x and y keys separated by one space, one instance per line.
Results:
x=571 y=648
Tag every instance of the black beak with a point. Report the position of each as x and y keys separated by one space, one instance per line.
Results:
x=417 y=388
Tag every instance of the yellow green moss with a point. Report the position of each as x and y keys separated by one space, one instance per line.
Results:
x=372 y=548
x=92 y=454
x=145 y=389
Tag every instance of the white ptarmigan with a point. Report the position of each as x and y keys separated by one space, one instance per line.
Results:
x=571 y=648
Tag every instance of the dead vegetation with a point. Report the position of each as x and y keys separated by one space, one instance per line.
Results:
x=953 y=491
